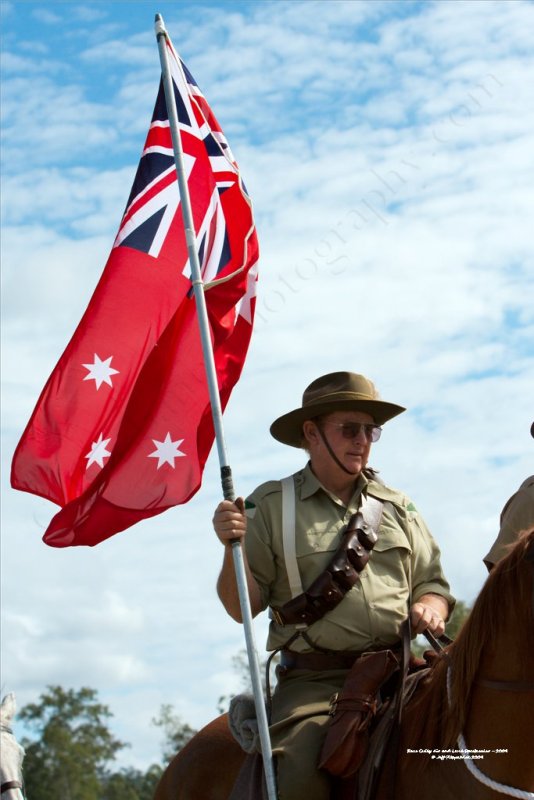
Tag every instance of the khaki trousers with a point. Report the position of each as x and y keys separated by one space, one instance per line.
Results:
x=298 y=726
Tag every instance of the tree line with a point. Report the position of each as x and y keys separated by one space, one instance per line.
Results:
x=72 y=751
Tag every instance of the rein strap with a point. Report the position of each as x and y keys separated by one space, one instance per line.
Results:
x=507 y=686
x=9 y=785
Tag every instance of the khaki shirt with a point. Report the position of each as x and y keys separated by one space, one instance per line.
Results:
x=404 y=565
x=517 y=515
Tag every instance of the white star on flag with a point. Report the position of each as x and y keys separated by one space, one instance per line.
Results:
x=100 y=371
x=98 y=452
x=167 y=451
x=243 y=307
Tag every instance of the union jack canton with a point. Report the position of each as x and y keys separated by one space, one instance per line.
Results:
x=154 y=198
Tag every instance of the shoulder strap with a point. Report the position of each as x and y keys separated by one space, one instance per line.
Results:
x=289 y=537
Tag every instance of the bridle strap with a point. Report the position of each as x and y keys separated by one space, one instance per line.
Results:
x=507 y=686
x=8 y=785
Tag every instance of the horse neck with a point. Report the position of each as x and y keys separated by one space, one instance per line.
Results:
x=510 y=659
x=11 y=763
x=496 y=643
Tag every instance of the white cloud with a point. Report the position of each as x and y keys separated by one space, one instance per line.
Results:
x=72 y=197
x=136 y=51
x=88 y=13
x=46 y=16
x=52 y=123
x=15 y=64
x=6 y=8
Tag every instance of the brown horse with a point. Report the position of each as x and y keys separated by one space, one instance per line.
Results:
x=480 y=695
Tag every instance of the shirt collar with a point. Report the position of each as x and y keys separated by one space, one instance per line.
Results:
x=311 y=485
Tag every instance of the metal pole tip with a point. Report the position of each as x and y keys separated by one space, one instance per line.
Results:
x=159 y=26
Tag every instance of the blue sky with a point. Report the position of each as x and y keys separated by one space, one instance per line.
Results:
x=386 y=147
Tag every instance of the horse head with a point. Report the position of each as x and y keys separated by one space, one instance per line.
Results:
x=11 y=753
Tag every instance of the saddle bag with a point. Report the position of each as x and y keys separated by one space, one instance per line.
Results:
x=352 y=711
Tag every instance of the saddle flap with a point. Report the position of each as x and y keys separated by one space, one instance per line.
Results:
x=352 y=711
x=380 y=737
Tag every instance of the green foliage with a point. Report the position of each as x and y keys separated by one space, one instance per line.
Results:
x=73 y=747
x=176 y=732
x=131 y=784
x=70 y=755
x=459 y=616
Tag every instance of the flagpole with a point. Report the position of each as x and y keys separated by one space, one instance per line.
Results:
x=211 y=373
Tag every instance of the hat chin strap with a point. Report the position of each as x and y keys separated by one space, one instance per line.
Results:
x=333 y=455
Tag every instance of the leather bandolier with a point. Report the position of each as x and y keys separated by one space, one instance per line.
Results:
x=331 y=586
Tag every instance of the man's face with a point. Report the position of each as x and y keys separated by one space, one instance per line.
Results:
x=351 y=446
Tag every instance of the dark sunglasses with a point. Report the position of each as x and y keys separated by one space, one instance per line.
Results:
x=350 y=430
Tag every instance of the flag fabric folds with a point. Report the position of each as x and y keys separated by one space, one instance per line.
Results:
x=123 y=427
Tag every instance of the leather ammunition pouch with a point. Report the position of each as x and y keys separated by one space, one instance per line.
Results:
x=329 y=588
x=352 y=711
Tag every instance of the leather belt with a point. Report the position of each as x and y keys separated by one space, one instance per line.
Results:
x=318 y=661
x=344 y=659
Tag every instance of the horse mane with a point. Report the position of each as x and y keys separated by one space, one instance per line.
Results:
x=505 y=603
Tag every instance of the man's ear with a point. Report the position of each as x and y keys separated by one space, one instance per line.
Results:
x=310 y=432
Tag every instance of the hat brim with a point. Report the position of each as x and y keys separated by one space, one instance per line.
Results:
x=288 y=428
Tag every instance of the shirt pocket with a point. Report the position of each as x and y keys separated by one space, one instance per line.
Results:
x=390 y=559
x=316 y=548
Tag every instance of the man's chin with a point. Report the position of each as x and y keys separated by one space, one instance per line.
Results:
x=354 y=464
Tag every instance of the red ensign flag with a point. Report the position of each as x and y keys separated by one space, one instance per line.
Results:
x=123 y=427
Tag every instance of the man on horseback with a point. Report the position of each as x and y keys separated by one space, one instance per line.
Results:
x=516 y=516
x=295 y=533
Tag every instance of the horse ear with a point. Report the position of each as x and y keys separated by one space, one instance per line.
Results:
x=8 y=708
